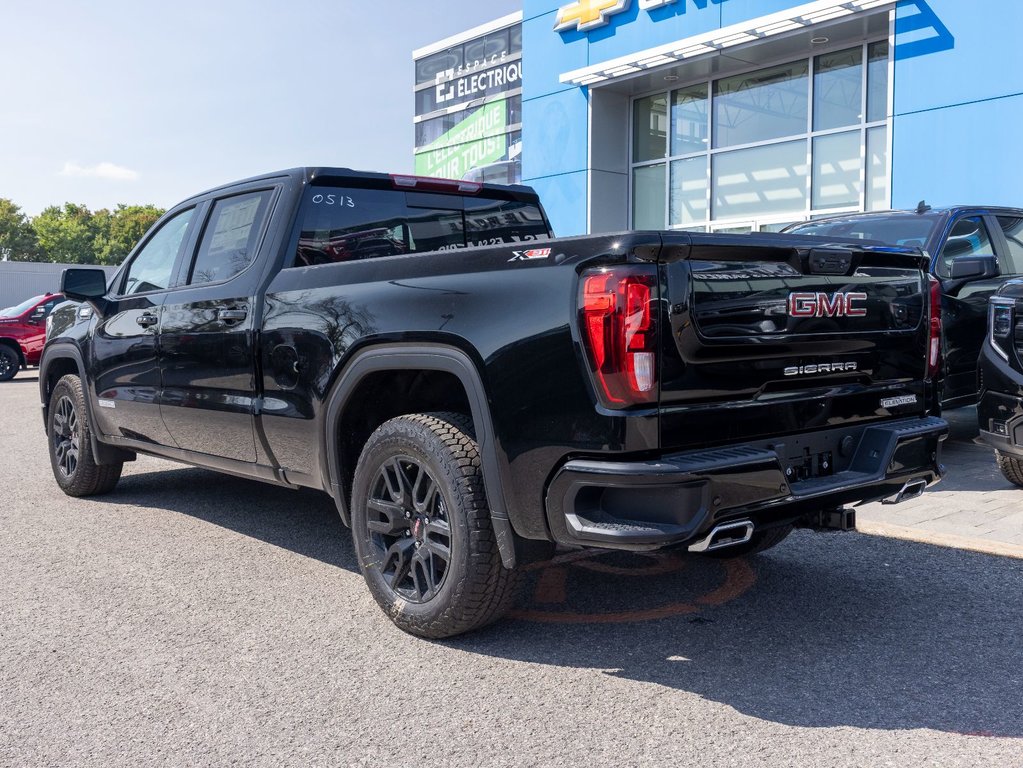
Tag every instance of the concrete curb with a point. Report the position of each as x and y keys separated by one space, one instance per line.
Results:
x=951 y=540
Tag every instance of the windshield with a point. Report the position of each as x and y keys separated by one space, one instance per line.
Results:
x=904 y=230
x=22 y=308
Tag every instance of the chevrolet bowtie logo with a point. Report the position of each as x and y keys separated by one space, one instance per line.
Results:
x=588 y=14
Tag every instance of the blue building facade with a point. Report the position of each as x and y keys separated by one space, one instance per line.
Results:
x=743 y=115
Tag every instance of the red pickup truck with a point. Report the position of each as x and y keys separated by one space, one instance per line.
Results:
x=23 y=333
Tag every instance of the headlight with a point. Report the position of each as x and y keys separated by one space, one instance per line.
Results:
x=1000 y=326
x=49 y=325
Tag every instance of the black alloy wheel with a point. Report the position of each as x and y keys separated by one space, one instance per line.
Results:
x=409 y=529
x=422 y=527
x=66 y=435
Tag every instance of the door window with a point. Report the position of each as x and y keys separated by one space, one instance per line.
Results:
x=152 y=268
x=1013 y=231
x=969 y=237
x=231 y=237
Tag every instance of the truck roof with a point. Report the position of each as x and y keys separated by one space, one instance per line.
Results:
x=311 y=174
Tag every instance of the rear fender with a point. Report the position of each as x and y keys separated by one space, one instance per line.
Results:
x=432 y=357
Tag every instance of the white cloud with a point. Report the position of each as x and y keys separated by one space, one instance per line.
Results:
x=99 y=171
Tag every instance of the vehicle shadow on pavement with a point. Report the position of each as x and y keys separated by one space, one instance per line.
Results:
x=824 y=631
x=303 y=521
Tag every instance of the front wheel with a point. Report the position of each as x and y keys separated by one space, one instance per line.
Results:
x=1011 y=466
x=70 y=442
x=422 y=529
x=9 y=363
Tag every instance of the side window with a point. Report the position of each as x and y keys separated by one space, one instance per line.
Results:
x=152 y=268
x=969 y=237
x=229 y=243
x=1013 y=231
x=48 y=306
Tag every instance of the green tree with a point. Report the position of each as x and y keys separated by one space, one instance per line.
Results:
x=66 y=234
x=119 y=231
x=17 y=238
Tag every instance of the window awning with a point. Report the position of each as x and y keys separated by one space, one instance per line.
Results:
x=800 y=18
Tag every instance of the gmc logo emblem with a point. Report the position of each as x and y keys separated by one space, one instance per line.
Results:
x=827 y=305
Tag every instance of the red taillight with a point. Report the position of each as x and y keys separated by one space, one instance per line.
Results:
x=620 y=333
x=934 y=342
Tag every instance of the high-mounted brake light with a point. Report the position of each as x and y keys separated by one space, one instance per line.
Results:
x=934 y=343
x=619 y=331
x=427 y=183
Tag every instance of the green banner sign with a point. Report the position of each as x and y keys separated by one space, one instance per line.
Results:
x=478 y=140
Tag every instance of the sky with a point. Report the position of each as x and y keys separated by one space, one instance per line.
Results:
x=117 y=101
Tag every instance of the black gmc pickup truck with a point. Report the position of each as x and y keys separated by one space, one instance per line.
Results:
x=473 y=393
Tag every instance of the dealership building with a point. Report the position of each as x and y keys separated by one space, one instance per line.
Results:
x=731 y=115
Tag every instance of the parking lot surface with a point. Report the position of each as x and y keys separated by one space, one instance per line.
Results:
x=191 y=618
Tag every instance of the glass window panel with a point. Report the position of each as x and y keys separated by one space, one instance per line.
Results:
x=877 y=168
x=968 y=237
x=153 y=267
x=877 y=81
x=648 y=202
x=689 y=190
x=836 y=171
x=229 y=243
x=838 y=89
x=776 y=226
x=760 y=181
x=427 y=69
x=1012 y=228
x=689 y=120
x=650 y=128
x=760 y=106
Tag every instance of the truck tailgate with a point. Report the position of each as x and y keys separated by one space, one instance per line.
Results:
x=773 y=335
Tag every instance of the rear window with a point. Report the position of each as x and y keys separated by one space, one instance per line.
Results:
x=902 y=230
x=349 y=224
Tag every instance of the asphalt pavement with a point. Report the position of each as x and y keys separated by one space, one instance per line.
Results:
x=191 y=618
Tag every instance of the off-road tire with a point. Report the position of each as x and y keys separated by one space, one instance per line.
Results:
x=1011 y=466
x=9 y=363
x=83 y=476
x=475 y=588
x=761 y=541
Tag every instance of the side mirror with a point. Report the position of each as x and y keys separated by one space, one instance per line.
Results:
x=84 y=284
x=974 y=268
x=37 y=316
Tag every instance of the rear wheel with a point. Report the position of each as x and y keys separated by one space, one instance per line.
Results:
x=9 y=363
x=422 y=530
x=760 y=541
x=1011 y=466
x=70 y=442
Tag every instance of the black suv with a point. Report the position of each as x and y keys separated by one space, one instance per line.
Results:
x=974 y=250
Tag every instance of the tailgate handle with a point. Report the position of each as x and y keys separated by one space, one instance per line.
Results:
x=830 y=262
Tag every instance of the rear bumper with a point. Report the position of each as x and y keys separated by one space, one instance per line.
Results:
x=676 y=499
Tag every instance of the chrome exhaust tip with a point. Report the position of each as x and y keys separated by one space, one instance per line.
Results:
x=724 y=535
x=913 y=489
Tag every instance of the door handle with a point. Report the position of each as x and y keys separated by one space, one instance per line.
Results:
x=147 y=320
x=232 y=315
